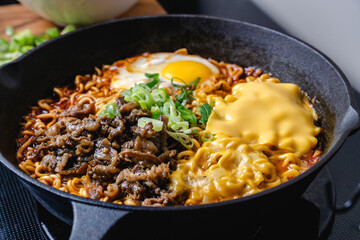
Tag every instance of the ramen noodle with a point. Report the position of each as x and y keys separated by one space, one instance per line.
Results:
x=169 y=129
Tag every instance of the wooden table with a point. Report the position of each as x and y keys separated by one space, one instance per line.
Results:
x=20 y=17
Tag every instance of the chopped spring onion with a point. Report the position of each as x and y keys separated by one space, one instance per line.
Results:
x=189 y=86
x=140 y=94
x=111 y=110
x=169 y=110
x=207 y=137
x=186 y=114
x=184 y=139
x=158 y=101
x=192 y=131
x=155 y=79
x=186 y=90
x=180 y=126
x=160 y=95
x=155 y=111
x=157 y=124
x=194 y=83
x=184 y=96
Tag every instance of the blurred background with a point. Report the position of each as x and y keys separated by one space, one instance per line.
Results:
x=331 y=26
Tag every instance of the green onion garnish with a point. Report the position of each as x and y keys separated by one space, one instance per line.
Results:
x=186 y=114
x=207 y=137
x=111 y=110
x=184 y=139
x=160 y=95
x=158 y=101
x=155 y=111
x=155 y=79
x=186 y=90
x=180 y=126
x=157 y=124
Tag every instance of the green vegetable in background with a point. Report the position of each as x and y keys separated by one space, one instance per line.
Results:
x=52 y=32
x=23 y=41
x=9 y=31
x=67 y=29
x=40 y=39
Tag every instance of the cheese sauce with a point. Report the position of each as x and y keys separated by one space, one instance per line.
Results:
x=267 y=113
x=261 y=131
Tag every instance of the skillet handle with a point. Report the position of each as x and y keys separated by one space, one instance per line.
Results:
x=352 y=120
x=92 y=222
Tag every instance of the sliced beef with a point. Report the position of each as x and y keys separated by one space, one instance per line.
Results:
x=128 y=107
x=84 y=147
x=105 y=152
x=80 y=110
x=145 y=132
x=119 y=159
x=125 y=107
x=117 y=127
x=94 y=189
x=140 y=157
x=135 y=114
x=145 y=146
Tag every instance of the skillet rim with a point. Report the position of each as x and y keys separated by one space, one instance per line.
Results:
x=321 y=163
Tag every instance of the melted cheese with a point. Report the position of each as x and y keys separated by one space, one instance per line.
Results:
x=266 y=113
x=261 y=131
x=225 y=168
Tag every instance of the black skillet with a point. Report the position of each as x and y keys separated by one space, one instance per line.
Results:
x=56 y=62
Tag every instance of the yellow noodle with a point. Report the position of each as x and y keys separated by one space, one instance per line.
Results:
x=27 y=166
x=19 y=153
x=39 y=171
x=83 y=192
x=46 y=116
x=28 y=124
x=59 y=92
x=74 y=185
x=44 y=104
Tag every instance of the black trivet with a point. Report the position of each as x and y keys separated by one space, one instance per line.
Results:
x=18 y=210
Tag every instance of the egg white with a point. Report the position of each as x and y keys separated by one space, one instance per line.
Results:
x=134 y=73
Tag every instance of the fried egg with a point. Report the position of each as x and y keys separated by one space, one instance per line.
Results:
x=180 y=67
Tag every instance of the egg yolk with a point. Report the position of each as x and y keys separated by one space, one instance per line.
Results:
x=187 y=71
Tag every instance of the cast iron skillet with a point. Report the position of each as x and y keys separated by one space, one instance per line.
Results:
x=56 y=62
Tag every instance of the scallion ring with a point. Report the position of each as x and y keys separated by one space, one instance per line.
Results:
x=157 y=124
x=207 y=137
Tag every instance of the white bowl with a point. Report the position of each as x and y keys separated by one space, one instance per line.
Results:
x=78 y=12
